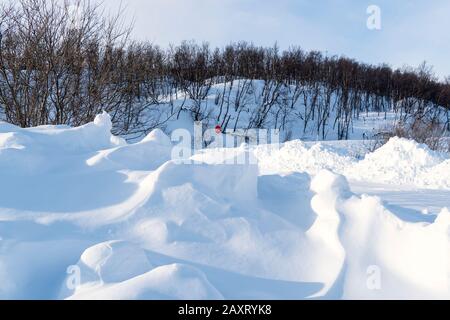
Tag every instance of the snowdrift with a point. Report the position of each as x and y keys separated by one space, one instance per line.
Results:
x=398 y=162
x=401 y=161
x=84 y=215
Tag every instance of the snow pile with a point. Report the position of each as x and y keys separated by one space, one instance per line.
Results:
x=399 y=161
x=436 y=177
x=296 y=156
x=84 y=215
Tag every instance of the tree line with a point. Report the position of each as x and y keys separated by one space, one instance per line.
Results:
x=61 y=68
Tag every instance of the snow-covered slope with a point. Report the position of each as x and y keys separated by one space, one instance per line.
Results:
x=245 y=104
x=84 y=215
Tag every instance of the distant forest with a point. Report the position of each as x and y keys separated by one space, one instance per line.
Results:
x=57 y=67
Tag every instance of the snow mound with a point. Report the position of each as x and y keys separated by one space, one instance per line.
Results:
x=118 y=270
x=103 y=120
x=326 y=181
x=159 y=137
x=296 y=156
x=176 y=281
x=436 y=177
x=41 y=149
x=113 y=261
x=399 y=161
x=12 y=140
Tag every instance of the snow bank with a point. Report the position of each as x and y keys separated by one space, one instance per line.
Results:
x=40 y=149
x=296 y=156
x=399 y=161
x=133 y=224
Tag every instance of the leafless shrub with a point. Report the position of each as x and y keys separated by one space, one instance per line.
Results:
x=429 y=132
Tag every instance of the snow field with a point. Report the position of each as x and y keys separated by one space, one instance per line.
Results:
x=122 y=221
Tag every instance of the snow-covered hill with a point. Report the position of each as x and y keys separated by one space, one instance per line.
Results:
x=297 y=112
x=84 y=215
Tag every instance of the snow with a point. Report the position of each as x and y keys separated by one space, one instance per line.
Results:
x=113 y=261
x=310 y=159
x=121 y=270
x=85 y=215
x=238 y=103
x=412 y=257
x=398 y=161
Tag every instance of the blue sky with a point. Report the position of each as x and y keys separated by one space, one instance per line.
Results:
x=412 y=30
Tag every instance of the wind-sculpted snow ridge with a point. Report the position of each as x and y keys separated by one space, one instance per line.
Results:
x=120 y=270
x=385 y=257
x=84 y=215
